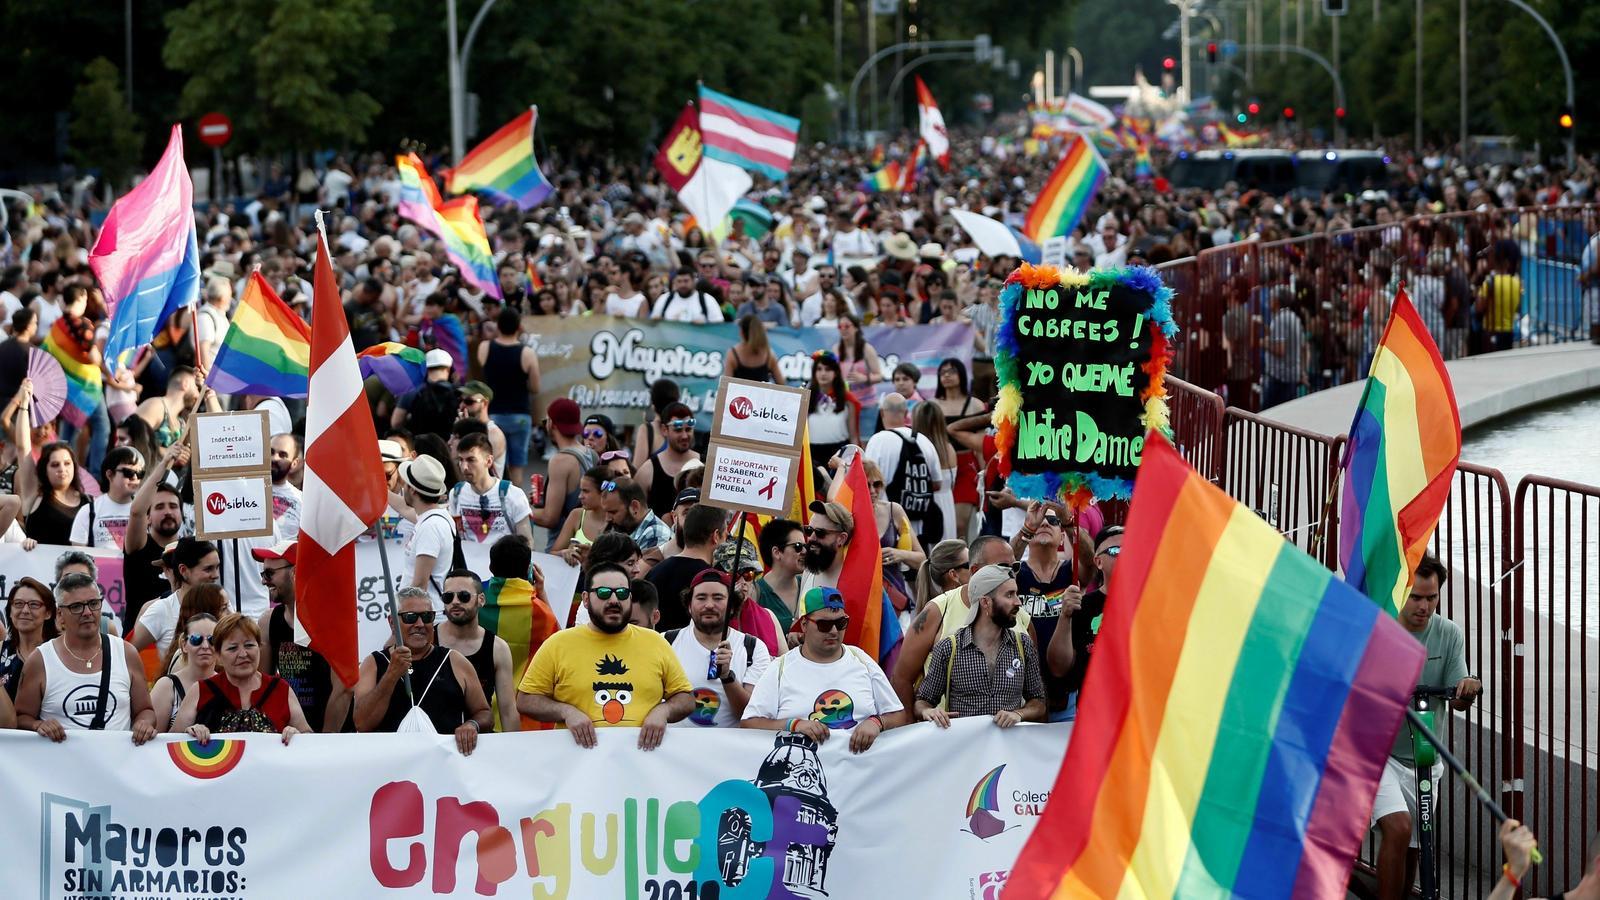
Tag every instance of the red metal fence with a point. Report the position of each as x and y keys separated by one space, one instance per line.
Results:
x=1524 y=586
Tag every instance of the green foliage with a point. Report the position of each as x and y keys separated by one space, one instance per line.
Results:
x=286 y=71
x=105 y=134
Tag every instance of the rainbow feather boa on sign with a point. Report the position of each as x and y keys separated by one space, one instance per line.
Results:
x=1073 y=482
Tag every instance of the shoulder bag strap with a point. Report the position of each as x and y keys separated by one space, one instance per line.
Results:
x=99 y=722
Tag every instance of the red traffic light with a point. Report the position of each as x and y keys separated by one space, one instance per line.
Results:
x=1338 y=112
x=1211 y=52
x=1169 y=63
x=1254 y=108
x=1288 y=112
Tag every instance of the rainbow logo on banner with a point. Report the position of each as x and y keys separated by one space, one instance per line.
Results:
x=213 y=759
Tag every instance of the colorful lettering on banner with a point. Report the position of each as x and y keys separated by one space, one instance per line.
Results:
x=728 y=814
x=607 y=364
x=1081 y=362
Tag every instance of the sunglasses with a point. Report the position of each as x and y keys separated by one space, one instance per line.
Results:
x=196 y=640
x=1113 y=552
x=959 y=566
x=609 y=455
x=749 y=575
x=1052 y=520
x=606 y=593
x=607 y=487
x=130 y=474
x=681 y=424
x=594 y=432
x=876 y=485
x=461 y=597
x=795 y=545
x=819 y=532
x=412 y=618
x=838 y=624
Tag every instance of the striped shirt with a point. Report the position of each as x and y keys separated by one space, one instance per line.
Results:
x=976 y=687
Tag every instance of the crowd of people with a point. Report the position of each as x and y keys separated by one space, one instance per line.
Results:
x=677 y=621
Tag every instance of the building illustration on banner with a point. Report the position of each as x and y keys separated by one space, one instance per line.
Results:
x=792 y=778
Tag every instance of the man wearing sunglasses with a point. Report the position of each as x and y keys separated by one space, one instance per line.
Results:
x=1068 y=653
x=823 y=685
x=474 y=407
x=323 y=697
x=442 y=690
x=658 y=476
x=826 y=538
x=103 y=523
x=1048 y=589
x=607 y=671
x=488 y=654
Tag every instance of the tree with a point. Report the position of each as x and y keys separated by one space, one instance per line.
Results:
x=289 y=72
x=105 y=134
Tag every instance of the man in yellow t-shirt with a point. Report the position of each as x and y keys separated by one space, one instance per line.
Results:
x=1500 y=301
x=606 y=672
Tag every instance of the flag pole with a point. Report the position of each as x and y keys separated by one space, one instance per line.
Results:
x=1483 y=796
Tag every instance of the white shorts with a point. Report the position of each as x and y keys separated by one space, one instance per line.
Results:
x=1397 y=792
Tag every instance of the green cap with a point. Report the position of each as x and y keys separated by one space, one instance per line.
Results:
x=821 y=598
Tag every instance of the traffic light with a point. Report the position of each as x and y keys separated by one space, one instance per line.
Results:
x=1288 y=113
x=1565 y=119
x=1254 y=108
x=1338 y=112
x=1211 y=53
x=1169 y=64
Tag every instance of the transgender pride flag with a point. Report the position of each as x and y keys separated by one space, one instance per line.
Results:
x=147 y=257
x=747 y=135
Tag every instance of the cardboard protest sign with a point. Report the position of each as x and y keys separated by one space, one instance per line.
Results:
x=1081 y=361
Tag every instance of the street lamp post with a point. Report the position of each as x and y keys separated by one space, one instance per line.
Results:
x=1184 y=7
x=1566 y=67
x=980 y=43
x=458 y=57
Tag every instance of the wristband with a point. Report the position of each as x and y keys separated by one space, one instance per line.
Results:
x=474 y=724
x=1025 y=534
x=1505 y=872
x=790 y=726
x=726 y=679
x=879 y=720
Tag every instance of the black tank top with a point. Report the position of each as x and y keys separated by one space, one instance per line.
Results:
x=662 y=492
x=441 y=699
x=51 y=523
x=762 y=372
x=482 y=661
x=502 y=372
x=305 y=671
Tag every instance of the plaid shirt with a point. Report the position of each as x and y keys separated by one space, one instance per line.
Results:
x=976 y=688
x=651 y=533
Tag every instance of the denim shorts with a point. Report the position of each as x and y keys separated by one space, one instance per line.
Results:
x=518 y=429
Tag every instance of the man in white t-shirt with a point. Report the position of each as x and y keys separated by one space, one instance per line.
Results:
x=685 y=304
x=103 y=523
x=822 y=685
x=740 y=659
x=488 y=508
x=802 y=280
x=431 y=545
x=852 y=245
x=214 y=317
x=285 y=496
x=886 y=448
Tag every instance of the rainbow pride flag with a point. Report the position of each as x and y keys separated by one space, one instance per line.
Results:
x=1404 y=445
x=1066 y=195
x=467 y=245
x=873 y=626
x=1235 y=718
x=267 y=350
x=401 y=369
x=419 y=196
x=885 y=179
x=83 y=377
x=147 y=257
x=503 y=167
x=514 y=612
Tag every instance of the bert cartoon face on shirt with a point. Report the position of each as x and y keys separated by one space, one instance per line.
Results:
x=611 y=694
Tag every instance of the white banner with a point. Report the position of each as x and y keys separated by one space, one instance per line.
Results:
x=40 y=563
x=723 y=814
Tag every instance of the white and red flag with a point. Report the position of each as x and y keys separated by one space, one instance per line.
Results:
x=931 y=128
x=344 y=488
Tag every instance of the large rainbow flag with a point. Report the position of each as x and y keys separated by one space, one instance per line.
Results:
x=147 y=257
x=1235 y=719
x=873 y=626
x=514 y=612
x=1404 y=445
x=1066 y=195
x=267 y=350
x=503 y=166
x=83 y=376
x=886 y=179
x=466 y=243
x=419 y=196
x=401 y=369
x=444 y=333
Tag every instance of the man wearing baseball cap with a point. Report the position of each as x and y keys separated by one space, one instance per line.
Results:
x=431 y=547
x=430 y=409
x=472 y=404
x=323 y=697
x=392 y=524
x=824 y=685
x=826 y=537
x=986 y=668
x=564 y=423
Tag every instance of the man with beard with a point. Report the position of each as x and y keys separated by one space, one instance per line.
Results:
x=154 y=520
x=624 y=505
x=826 y=538
x=944 y=615
x=701 y=528
x=489 y=655
x=986 y=668
x=324 y=699
x=1067 y=655
x=285 y=496
x=686 y=304
x=659 y=475
x=606 y=672
x=442 y=693
x=723 y=663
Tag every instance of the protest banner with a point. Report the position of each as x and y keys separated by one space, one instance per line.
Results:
x=733 y=814
x=232 y=473
x=40 y=565
x=606 y=364
x=1081 y=361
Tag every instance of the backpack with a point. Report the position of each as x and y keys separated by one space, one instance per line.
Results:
x=950 y=661
x=912 y=486
x=749 y=646
x=455 y=495
x=458 y=560
x=433 y=409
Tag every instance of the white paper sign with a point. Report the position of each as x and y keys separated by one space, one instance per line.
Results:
x=233 y=507
x=1053 y=252
x=767 y=414
x=231 y=442
x=751 y=480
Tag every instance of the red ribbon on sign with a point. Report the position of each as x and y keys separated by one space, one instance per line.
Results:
x=767 y=491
